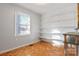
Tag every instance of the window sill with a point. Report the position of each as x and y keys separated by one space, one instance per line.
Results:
x=21 y=35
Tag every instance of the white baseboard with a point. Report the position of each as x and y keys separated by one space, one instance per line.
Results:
x=18 y=47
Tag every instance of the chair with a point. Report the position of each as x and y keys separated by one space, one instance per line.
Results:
x=71 y=41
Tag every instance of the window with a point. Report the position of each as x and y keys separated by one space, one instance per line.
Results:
x=22 y=24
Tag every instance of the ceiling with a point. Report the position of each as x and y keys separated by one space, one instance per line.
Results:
x=43 y=8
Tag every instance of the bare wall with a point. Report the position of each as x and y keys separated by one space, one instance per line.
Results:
x=7 y=27
x=60 y=20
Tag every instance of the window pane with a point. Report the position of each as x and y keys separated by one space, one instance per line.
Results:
x=23 y=19
x=22 y=24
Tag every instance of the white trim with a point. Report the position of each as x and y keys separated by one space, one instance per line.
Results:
x=1 y=52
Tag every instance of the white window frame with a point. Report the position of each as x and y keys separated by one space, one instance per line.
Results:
x=21 y=13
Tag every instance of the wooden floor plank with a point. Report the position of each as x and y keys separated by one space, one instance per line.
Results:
x=38 y=49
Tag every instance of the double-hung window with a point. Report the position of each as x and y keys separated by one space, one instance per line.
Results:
x=22 y=24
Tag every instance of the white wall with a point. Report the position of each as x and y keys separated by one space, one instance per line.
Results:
x=7 y=27
x=62 y=19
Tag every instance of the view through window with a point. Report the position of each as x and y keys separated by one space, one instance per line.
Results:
x=22 y=24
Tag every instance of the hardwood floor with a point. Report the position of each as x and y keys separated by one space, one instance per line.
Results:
x=38 y=49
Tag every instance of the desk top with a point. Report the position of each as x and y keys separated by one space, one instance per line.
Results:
x=72 y=33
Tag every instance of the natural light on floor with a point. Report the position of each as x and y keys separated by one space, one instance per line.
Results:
x=56 y=37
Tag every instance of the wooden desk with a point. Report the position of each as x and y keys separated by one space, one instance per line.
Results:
x=76 y=35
